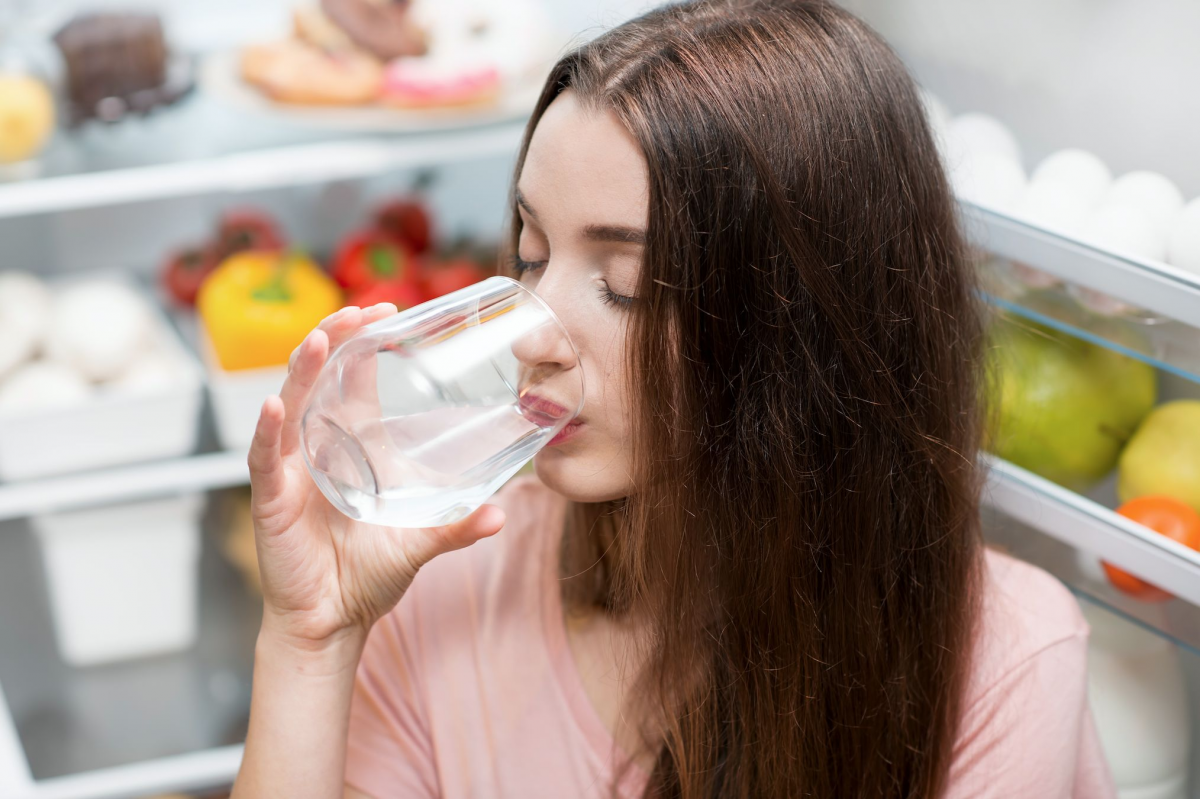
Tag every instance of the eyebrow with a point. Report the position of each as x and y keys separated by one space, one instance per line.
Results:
x=614 y=234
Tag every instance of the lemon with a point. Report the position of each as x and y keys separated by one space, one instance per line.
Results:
x=26 y=117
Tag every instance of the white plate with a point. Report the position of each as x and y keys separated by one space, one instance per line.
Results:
x=220 y=77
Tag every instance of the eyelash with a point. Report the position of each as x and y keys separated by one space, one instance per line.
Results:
x=610 y=297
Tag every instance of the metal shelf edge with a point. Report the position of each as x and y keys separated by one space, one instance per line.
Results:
x=253 y=170
x=1081 y=523
x=193 y=473
x=212 y=768
x=1155 y=287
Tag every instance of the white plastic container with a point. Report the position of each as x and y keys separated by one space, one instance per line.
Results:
x=237 y=396
x=123 y=579
x=111 y=427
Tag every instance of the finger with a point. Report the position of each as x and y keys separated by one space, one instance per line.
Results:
x=342 y=325
x=424 y=544
x=267 y=481
x=298 y=386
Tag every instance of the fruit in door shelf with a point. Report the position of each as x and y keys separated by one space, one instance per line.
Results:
x=1166 y=516
x=1059 y=406
x=258 y=306
x=1163 y=457
x=26 y=117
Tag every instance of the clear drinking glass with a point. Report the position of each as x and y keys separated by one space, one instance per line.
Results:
x=418 y=418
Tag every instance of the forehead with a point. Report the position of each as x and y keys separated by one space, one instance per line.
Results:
x=583 y=162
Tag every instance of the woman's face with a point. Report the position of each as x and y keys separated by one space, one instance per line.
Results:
x=582 y=197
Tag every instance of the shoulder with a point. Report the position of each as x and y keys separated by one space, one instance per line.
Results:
x=1024 y=612
x=1025 y=728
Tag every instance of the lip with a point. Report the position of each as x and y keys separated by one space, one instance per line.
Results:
x=566 y=434
x=541 y=410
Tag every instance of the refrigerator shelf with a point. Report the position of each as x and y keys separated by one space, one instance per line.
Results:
x=1170 y=346
x=139 y=727
x=253 y=169
x=1086 y=525
x=1155 y=287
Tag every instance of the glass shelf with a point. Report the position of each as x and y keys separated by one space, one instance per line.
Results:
x=1160 y=289
x=201 y=146
x=1165 y=344
x=1088 y=524
x=149 y=725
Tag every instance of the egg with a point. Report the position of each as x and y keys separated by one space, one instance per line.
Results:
x=152 y=373
x=1152 y=192
x=42 y=384
x=1054 y=205
x=1123 y=229
x=974 y=134
x=24 y=305
x=98 y=328
x=1183 y=247
x=1078 y=168
x=992 y=180
x=17 y=346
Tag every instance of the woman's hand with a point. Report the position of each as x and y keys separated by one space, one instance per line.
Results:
x=325 y=576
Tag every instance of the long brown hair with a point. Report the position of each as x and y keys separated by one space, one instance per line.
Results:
x=803 y=540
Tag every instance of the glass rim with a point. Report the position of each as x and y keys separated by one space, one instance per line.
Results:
x=566 y=334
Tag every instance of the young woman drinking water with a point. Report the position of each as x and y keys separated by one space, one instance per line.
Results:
x=753 y=566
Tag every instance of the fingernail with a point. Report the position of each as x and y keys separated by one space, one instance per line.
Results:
x=391 y=306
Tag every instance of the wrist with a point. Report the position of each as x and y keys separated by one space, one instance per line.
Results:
x=334 y=654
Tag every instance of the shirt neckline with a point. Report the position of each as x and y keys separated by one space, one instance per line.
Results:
x=604 y=748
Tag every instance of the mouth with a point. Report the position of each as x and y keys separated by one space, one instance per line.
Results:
x=547 y=413
x=541 y=411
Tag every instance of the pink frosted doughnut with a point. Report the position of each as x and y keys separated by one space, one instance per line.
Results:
x=423 y=83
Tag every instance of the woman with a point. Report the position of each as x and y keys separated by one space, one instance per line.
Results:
x=754 y=568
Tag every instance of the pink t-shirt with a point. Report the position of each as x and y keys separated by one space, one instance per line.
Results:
x=469 y=688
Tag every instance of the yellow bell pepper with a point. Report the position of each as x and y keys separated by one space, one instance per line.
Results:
x=258 y=306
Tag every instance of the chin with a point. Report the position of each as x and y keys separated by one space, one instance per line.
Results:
x=580 y=478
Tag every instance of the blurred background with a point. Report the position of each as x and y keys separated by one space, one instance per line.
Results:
x=158 y=157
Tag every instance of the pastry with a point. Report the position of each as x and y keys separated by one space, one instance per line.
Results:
x=299 y=73
x=116 y=62
x=384 y=28
x=429 y=83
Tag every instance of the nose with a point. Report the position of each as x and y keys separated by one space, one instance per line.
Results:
x=545 y=348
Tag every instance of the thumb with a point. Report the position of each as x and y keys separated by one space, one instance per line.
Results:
x=428 y=542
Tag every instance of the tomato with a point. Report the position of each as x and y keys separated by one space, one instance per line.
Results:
x=403 y=293
x=1166 y=516
x=369 y=257
x=185 y=270
x=451 y=276
x=408 y=222
x=246 y=229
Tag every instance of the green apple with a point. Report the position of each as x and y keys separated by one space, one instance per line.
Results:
x=1163 y=457
x=1060 y=406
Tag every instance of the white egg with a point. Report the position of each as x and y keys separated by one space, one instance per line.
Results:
x=1155 y=194
x=937 y=113
x=151 y=373
x=99 y=328
x=17 y=345
x=991 y=179
x=1183 y=248
x=974 y=134
x=1126 y=229
x=1079 y=168
x=42 y=384
x=1055 y=206
x=24 y=306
